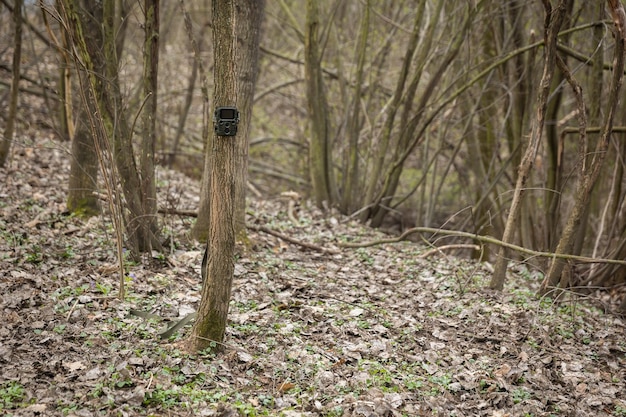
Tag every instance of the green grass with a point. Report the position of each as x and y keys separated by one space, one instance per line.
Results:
x=12 y=395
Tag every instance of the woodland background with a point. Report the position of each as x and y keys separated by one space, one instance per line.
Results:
x=479 y=129
x=418 y=114
x=425 y=112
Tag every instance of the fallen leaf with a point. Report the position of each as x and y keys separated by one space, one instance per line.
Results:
x=286 y=386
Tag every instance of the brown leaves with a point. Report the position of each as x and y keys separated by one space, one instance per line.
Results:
x=374 y=331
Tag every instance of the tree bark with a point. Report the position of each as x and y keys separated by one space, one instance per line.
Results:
x=146 y=152
x=200 y=228
x=352 y=183
x=83 y=180
x=248 y=18
x=9 y=130
x=589 y=171
x=320 y=167
x=210 y=325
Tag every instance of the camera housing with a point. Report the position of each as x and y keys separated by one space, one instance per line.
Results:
x=225 y=121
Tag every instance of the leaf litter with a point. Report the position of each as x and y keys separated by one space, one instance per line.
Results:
x=377 y=331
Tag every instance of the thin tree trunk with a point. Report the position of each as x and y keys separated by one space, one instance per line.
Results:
x=249 y=18
x=200 y=228
x=141 y=231
x=210 y=324
x=350 y=200
x=184 y=113
x=410 y=136
x=392 y=110
x=9 y=130
x=66 y=114
x=553 y=20
x=589 y=171
x=319 y=129
x=146 y=158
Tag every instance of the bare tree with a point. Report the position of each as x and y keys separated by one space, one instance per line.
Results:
x=9 y=130
x=352 y=183
x=105 y=91
x=322 y=173
x=149 y=116
x=249 y=17
x=552 y=24
x=589 y=171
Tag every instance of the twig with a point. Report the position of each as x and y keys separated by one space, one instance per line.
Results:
x=69 y=314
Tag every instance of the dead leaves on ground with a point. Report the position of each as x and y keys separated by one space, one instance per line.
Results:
x=375 y=331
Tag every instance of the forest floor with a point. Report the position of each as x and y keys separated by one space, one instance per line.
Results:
x=387 y=330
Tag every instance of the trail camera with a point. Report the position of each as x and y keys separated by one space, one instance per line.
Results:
x=225 y=120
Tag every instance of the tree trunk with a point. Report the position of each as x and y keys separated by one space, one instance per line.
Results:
x=591 y=170
x=66 y=99
x=352 y=183
x=9 y=130
x=210 y=324
x=141 y=230
x=553 y=20
x=83 y=182
x=146 y=152
x=320 y=168
x=249 y=16
x=200 y=228
x=392 y=110
x=103 y=95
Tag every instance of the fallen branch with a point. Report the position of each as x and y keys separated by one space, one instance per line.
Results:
x=483 y=239
x=439 y=249
x=292 y=240
x=188 y=213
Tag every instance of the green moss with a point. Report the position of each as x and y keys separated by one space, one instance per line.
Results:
x=83 y=207
x=209 y=331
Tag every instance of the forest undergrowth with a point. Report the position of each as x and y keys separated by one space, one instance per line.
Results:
x=388 y=330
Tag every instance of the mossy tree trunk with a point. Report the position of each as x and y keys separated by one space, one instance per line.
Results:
x=83 y=181
x=210 y=324
x=103 y=95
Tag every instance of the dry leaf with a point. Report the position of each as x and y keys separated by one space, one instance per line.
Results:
x=286 y=386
